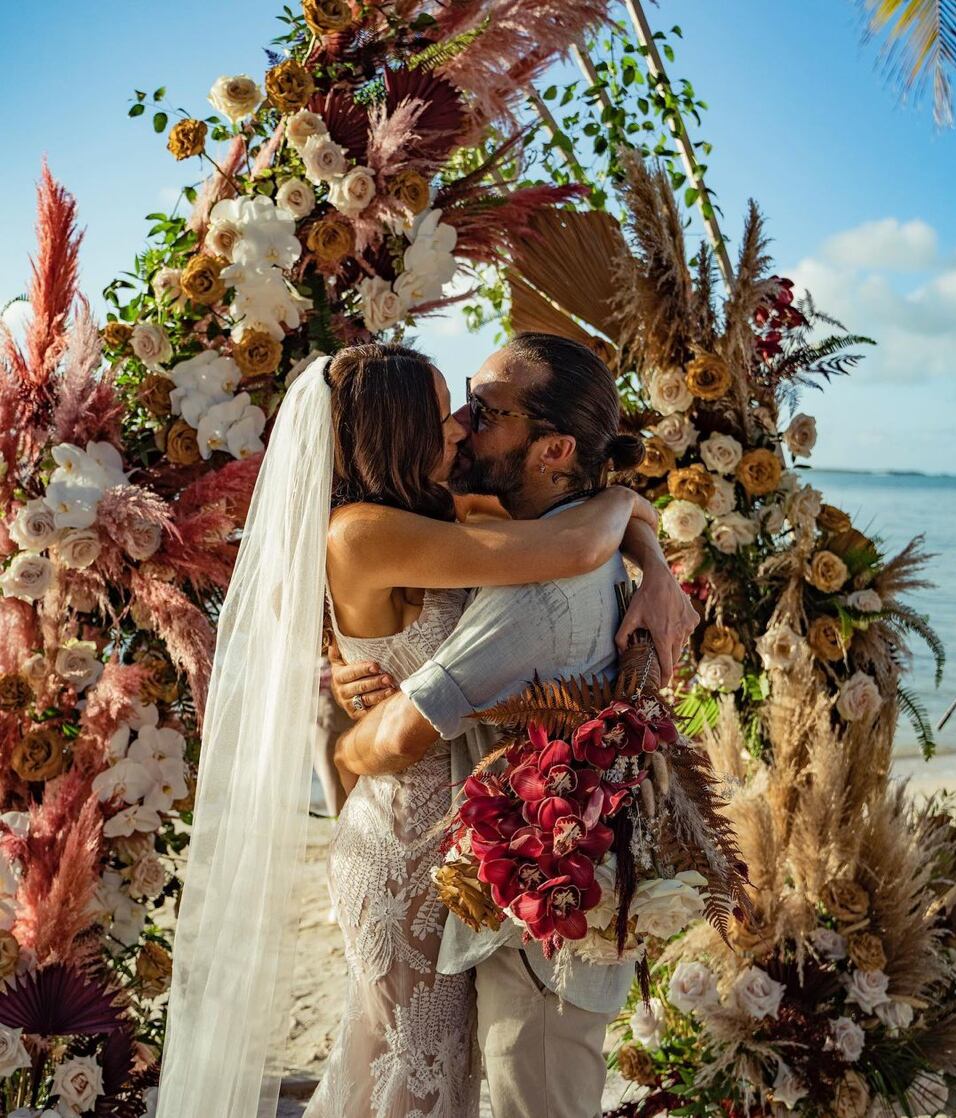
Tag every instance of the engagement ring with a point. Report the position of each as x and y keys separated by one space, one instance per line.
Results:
x=358 y=703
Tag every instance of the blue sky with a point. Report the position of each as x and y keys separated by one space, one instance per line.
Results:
x=856 y=188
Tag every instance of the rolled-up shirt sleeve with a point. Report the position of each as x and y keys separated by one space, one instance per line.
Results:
x=494 y=651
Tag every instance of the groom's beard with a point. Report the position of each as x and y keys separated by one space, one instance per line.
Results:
x=496 y=477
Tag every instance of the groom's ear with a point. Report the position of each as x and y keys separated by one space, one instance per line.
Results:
x=555 y=452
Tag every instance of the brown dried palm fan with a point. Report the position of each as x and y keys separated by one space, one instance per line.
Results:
x=568 y=260
x=531 y=311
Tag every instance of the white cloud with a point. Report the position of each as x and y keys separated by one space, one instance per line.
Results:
x=888 y=243
x=912 y=321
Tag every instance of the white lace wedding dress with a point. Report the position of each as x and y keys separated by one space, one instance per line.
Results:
x=407 y=1046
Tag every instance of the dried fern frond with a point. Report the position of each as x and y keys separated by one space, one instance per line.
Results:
x=559 y=705
x=567 y=259
x=904 y=572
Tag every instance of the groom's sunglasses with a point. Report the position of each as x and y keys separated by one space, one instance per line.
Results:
x=478 y=408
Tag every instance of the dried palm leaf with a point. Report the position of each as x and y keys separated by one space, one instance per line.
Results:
x=532 y=311
x=567 y=259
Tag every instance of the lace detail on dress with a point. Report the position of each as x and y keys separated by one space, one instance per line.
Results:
x=407 y=1043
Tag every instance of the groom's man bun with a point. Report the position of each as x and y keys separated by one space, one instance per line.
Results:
x=579 y=398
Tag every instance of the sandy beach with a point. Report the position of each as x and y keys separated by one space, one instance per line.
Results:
x=319 y=981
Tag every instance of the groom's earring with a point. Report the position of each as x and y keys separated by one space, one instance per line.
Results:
x=542 y=468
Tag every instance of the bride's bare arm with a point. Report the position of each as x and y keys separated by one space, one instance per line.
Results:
x=385 y=547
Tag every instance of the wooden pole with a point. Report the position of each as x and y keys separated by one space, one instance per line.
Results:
x=684 y=146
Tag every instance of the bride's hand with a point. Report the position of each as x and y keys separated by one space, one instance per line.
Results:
x=354 y=684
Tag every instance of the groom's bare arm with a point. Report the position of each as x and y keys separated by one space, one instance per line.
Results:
x=387 y=740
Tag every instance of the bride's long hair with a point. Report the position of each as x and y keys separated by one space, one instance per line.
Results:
x=387 y=429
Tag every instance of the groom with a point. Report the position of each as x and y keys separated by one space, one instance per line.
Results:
x=543 y=416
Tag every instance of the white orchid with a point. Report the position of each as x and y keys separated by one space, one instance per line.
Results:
x=158 y=744
x=202 y=382
x=128 y=780
x=216 y=425
x=131 y=819
x=168 y=777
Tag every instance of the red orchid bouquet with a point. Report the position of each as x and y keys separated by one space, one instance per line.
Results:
x=595 y=827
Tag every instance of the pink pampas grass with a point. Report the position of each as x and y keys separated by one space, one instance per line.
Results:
x=111 y=703
x=135 y=518
x=53 y=285
x=392 y=136
x=55 y=892
x=88 y=408
x=521 y=39
x=233 y=483
x=185 y=630
x=19 y=633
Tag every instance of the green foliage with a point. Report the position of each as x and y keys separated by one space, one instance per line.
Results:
x=914 y=710
x=440 y=54
x=696 y=709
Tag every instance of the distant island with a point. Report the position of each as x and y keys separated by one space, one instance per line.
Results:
x=872 y=473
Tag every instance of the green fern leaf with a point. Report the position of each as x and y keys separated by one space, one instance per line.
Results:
x=440 y=54
x=919 y=720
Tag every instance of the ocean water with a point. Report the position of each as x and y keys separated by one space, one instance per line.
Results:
x=895 y=508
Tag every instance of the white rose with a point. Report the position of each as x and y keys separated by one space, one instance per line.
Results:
x=693 y=987
x=151 y=344
x=866 y=601
x=828 y=944
x=77 y=662
x=79 y=548
x=721 y=453
x=859 y=697
x=683 y=521
x=779 y=646
x=720 y=673
x=79 y=1082
x=302 y=126
x=34 y=527
x=847 y=1039
x=167 y=288
x=895 y=1015
x=325 y=161
x=13 y=1054
x=677 y=432
x=296 y=197
x=756 y=993
x=665 y=906
x=28 y=577
x=235 y=97
x=147 y=877
x=668 y=392
x=381 y=306
x=801 y=435
x=724 y=499
x=143 y=538
x=647 y=1023
x=803 y=507
x=34 y=670
x=221 y=238
x=351 y=193
x=788 y=1088
x=732 y=531
x=868 y=989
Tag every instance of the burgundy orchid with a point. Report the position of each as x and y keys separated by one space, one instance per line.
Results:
x=558 y=907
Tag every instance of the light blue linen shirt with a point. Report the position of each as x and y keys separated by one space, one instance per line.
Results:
x=506 y=636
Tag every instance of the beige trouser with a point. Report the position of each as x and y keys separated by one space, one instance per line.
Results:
x=540 y=1063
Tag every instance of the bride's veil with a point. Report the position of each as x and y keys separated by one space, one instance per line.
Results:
x=234 y=941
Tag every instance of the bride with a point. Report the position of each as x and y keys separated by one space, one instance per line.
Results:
x=362 y=448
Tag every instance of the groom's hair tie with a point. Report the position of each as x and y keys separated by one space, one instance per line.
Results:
x=578 y=398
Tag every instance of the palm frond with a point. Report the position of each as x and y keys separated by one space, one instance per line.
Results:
x=532 y=311
x=826 y=358
x=697 y=709
x=907 y=621
x=919 y=720
x=920 y=47
x=60 y=1000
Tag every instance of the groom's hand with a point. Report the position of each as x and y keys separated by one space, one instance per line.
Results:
x=363 y=681
x=665 y=611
